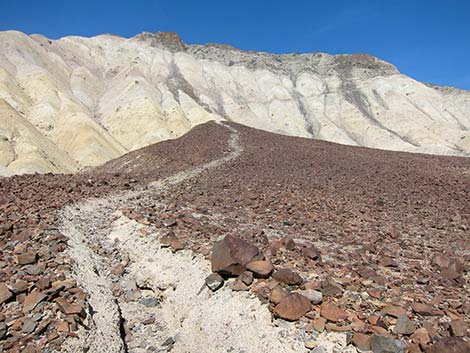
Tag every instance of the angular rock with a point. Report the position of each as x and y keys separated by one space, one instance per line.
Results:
x=425 y=309
x=261 y=268
x=388 y=262
x=30 y=348
x=384 y=344
x=320 y=349
x=3 y=330
x=331 y=327
x=312 y=253
x=246 y=278
x=332 y=312
x=231 y=255
x=214 y=281
x=451 y=268
x=176 y=245
x=394 y=311
x=310 y=344
x=238 y=286
x=292 y=307
x=32 y=300
x=166 y=239
x=289 y=243
x=33 y=270
x=263 y=294
x=63 y=326
x=331 y=289
x=315 y=297
x=361 y=341
x=287 y=276
x=414 y=348
x=404 y=326
x=441 y=260
x=277 y=294
x=458 y=328
x=27 y=258
x=29 y=325
x=69 y=308
x=5 y=293
x=449 y=345
x=118 y=270
x=319 y=324
x=421 y=336
x=149 y=301
x=450 y=274
x=43 y=283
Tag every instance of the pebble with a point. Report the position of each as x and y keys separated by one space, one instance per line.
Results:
x=149 y=301
x=214 y=281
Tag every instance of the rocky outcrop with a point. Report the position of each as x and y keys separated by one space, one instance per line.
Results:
x=78 y=102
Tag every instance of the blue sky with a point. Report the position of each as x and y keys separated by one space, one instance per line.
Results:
x=427 y=40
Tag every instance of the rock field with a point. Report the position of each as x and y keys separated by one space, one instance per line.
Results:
x=232 y=239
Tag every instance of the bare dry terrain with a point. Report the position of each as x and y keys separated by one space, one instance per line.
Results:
x=317 y=246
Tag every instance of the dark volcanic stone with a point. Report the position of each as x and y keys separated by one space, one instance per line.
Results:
x=214 y=281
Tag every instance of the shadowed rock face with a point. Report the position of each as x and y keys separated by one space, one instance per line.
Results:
x=77 y=102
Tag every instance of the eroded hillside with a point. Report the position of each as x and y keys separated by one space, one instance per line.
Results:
x=76 y=102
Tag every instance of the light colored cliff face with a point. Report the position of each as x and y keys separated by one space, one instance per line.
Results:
x=78 y=102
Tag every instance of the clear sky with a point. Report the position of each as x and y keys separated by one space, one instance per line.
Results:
x=428 y=40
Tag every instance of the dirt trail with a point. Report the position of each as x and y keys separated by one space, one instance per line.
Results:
x=175 y=311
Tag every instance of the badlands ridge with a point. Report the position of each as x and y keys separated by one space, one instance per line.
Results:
x=78 y=102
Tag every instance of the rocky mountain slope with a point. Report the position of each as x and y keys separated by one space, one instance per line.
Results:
x=76 y=102
x=236 y=239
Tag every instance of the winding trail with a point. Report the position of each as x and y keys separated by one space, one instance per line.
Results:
x=175 y=312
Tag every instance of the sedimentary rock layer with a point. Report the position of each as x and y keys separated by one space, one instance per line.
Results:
x=77 y=102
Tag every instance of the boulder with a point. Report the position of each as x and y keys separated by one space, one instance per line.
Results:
x=261 y=268
x=231 y=255
x=292 y=307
